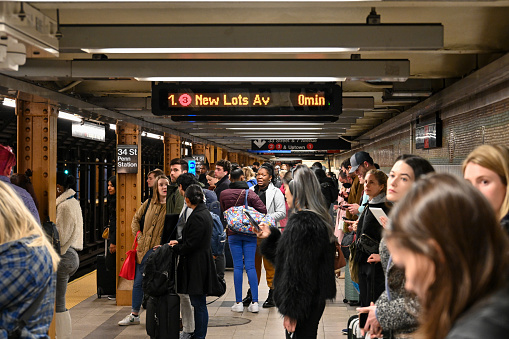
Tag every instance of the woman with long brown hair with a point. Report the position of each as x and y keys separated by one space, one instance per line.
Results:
x=447 y=237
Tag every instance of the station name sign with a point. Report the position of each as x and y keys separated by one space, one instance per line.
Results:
x=127 y=158
x=299 y=145
x=183 y=100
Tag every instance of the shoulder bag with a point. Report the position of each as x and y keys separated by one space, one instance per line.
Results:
x=129 y=266
x=237 y=220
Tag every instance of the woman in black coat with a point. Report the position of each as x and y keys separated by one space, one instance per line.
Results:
x=196 y=272
x=303 y=256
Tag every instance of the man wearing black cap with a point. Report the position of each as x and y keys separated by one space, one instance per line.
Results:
x=361 y=162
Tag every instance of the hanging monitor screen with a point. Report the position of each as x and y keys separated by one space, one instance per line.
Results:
x=244 y=100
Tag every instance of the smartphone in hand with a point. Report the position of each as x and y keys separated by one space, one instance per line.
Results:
x=252 y=221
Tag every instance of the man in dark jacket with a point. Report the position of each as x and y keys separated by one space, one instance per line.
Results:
x=222 y=173
x=174 y=200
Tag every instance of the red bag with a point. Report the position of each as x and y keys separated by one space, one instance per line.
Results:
x=129 y=266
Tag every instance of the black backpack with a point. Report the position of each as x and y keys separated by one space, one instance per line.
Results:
x=51 y=231
x=159 y=274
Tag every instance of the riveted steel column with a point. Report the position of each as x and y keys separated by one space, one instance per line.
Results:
x=172 y=150
x=129 y=200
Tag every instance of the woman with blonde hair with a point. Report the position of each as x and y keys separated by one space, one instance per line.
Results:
x=487 y=168
x=154 y=210
x=455 y=255
x=28 y=265
x=249 y=175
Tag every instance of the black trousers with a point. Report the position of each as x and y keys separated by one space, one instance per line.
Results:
x=308 y=328
x=371 y=286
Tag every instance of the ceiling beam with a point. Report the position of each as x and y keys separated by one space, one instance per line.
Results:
x=380 y=70
x=101 y=38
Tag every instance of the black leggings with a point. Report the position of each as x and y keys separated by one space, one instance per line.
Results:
x=308 y=328
x=371 y=278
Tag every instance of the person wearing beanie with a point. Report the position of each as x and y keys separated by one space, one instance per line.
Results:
x=7 y=162
x=69 y=223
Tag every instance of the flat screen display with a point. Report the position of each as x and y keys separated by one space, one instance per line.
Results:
x=279 y=100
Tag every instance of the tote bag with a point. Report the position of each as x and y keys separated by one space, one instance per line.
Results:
x=238 y=222
x=128 y=267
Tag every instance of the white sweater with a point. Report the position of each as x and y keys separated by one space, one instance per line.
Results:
x=69 y=222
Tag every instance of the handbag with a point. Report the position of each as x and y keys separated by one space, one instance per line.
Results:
x=353 y=266
x=339 y=259
x=129 y=266
x=237 y=221
x=106 y=233
x=347 y=240
x=367 y=244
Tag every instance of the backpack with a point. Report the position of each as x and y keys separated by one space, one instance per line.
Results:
x=218 y=235
x=159 y=273
x=212 y=202
x=51 y=231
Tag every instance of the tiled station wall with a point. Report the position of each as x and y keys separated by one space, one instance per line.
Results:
x=460 y=135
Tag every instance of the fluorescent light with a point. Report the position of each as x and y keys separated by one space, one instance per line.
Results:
x=113 y=127
x=69 y=116
x=9 y=102
x=152 y=135
x=219 y=50
x=411 y=94
x=276 y=128
x=246 y=79
x=187 y=143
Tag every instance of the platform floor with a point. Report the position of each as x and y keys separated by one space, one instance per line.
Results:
x=94 y=318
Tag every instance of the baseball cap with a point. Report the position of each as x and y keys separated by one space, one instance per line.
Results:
x=358 y=159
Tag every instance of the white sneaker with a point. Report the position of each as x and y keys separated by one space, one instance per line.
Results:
x=253 y=307
x=238 y=307
x=130 y=320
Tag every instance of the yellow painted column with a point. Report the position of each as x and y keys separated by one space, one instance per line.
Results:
x=198 y=149
x=212 y=159
x=128 y=202
x=37 y=150
x=172 y=150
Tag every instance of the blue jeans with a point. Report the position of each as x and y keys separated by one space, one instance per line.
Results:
x=138 y=279
x=201 y=315
x=243 y=249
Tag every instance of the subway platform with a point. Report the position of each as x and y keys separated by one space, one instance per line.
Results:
x=94 y=318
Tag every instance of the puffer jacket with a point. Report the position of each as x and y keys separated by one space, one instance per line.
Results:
x=153 y=229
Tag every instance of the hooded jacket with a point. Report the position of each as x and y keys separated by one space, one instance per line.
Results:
x=69 y=222
x=304 y=260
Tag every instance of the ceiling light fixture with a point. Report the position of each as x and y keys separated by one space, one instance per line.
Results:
x=275 y=128
x=218 y=50
x=69 y=116
x=245 y=79
x=9 y=102
x=152 y=135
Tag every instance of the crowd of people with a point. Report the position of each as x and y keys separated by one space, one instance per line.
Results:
x=427 y=254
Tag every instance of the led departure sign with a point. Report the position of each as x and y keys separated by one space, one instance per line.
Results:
x=244 y=100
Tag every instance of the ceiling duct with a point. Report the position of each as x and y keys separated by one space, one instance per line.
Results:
x=29 y=26
x=12 y=54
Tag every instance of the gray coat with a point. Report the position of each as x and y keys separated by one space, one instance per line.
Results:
x=395 y=313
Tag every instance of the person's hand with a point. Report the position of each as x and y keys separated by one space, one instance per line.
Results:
x=335 y=207
x=374 y=258
x=156 y=247
x=289 y=324
x=173 y=243
x=353 y=208
x=384 y=221
x=113 y=248
x=264 y=231
x=353 y=225
x=372 y=325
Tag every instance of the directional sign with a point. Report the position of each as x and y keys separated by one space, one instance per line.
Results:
x=299 y=145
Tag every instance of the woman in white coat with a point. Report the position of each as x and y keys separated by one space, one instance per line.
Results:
x=274 y=200
x=70 y=229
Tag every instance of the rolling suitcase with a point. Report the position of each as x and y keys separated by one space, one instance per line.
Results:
x=163 y=316
x=106 y=274
x=106 y=279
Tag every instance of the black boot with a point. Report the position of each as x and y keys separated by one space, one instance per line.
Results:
x=269 y=302
x=248 y=299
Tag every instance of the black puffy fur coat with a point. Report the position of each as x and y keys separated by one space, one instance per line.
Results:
x=304 y=261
